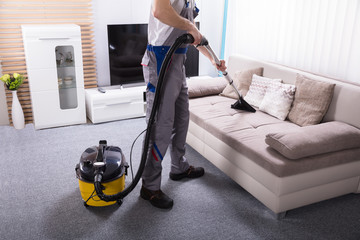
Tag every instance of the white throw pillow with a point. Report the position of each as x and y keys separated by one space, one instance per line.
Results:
x=258 y=88
x=278 y=99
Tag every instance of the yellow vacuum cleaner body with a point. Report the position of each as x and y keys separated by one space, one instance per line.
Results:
x=113 y=180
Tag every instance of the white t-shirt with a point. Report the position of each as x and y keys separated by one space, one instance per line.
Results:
x=158 y=32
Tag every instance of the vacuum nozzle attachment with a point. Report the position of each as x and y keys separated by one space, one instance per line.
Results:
x=241 y=104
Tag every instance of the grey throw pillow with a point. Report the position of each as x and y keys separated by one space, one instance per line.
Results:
x=242 y=81
x=311 y=101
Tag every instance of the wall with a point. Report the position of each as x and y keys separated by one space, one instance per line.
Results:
x=137 y=11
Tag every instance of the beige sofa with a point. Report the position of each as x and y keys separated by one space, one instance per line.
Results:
x=234 y=141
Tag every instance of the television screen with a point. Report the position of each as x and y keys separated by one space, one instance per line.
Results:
x=127 y=44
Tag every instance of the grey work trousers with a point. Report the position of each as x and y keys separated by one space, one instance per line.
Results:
x=172 y=120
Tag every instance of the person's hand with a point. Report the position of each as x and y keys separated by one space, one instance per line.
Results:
x=220 y=67
x=196 y=34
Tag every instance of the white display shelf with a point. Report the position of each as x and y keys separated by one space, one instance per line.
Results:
x=53 y=53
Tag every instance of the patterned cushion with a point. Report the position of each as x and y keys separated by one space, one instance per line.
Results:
x=278 y=99
x=258 y=88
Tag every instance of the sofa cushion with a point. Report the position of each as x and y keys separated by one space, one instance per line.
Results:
x=316 y=139
x=242 y=81
x=245 y=132
x=258 y=88
x=277 y=100
x=311 y=102
x=204 y=86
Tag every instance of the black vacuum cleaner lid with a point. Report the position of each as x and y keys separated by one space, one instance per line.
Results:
x=113 y=158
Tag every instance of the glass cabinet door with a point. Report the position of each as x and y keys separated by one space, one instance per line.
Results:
x=65 y=65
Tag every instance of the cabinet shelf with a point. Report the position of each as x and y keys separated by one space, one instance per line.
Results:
x=68 y=65
x=66 y=86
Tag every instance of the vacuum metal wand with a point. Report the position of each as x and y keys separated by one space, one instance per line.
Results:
x=225 y=73
x=241 y=103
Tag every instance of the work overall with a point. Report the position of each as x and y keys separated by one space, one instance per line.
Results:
x=172 y=120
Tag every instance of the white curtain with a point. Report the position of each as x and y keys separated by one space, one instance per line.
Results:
x=319 y=36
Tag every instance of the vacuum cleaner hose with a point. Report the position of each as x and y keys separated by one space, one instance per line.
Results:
x=183 y=39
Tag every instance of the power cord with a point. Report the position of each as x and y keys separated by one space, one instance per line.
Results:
x=132 y=146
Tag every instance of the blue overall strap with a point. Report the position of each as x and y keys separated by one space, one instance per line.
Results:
x=151 y=87
x=196 y=9
x=160 y=52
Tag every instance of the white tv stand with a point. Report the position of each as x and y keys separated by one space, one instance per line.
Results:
x=115 y=103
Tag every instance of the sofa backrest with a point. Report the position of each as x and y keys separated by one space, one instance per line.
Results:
x=344 y=106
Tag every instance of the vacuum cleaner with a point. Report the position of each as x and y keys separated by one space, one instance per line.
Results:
x=102 y=169
x=113 y=178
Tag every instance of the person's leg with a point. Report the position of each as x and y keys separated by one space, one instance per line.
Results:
x=179 y=164
x=160 y=140
x=180 y=167
x=151 y=177
x=161 y=133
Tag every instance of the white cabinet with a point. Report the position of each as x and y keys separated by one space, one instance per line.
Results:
x=55 y=71
x=115 y=104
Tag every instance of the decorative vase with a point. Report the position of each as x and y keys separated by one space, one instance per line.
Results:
x=17 y=113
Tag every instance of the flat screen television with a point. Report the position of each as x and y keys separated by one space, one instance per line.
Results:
x=127 y=44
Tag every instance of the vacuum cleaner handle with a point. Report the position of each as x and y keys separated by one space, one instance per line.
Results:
x=188 y=38
x=101 y=148
x=99 y=164
x=203 y=42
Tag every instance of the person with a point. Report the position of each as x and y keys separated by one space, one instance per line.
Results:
x=168 y=20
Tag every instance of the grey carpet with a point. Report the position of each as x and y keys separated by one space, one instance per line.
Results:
x=40 y=198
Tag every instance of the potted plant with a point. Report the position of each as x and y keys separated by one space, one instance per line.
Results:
x=13 y=83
